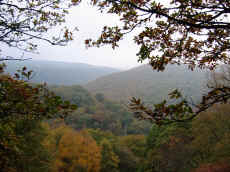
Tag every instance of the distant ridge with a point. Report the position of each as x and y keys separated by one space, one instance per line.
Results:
x=61 y=73
x=150 y=85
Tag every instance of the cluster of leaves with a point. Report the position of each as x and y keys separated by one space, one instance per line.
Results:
x=22 y=107
x=163 y=113
x=23 y=21
x=202 y=144
x=19 y=99
x=189 y=32
x=192 y=32
x=182 y=110
x=21 y=146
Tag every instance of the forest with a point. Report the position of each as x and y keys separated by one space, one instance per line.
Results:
x=89 y=128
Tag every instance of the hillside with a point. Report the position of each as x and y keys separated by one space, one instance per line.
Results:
x=99 y=113
x=150 y=85
x=60 y=73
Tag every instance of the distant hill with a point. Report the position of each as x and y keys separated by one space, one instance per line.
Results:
x=61 y=73
x=150 y=85
x=94 y=111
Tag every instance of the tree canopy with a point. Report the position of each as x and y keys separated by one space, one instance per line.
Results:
x=23 y=105
x=23 y=21
x=191 y=32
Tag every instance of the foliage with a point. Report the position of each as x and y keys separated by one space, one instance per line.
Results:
x=200 y=144
x=217 y=167
x=21 y=146
x=19 y=99
x=22 y=107
x=75 y=94
x=110 y=160
x=215 y=129
x=128 y=161
x=136 y=143
x=189 y=32
x=167 y=149
x=99 y=135
x=123 y=153
x=198 y=24
x=75 y=151
x=23 y=21
x=106 y=115
x=158 y=136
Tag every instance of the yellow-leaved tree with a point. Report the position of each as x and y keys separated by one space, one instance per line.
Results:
x=73 y=151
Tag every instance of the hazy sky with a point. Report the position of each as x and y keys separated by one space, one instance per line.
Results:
x=89 y=22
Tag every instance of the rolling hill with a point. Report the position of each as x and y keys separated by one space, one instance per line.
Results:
x=60 y=73
x=150 y=85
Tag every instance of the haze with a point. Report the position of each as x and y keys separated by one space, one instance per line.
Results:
x=89 y=21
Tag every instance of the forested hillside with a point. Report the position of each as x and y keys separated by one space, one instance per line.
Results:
x=150 y=85
x=121 y=143
x=97 y=112
x=60 y=73
x=64 y=127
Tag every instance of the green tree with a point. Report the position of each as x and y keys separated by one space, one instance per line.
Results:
x=110 y=160
x=128 y=161
x=136 y=143
x=22 y=105
x=75 y=94
x=22 y=108
x=189 y=32
x=168 y=149
x=22 y=148
x=99 y=135
x=212 y=144
x=21 y=100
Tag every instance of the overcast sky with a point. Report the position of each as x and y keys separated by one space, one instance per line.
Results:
x=89 y=22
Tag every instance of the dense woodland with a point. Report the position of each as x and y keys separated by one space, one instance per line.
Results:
x=102 y=135
x=54 y=128
x=97 y=112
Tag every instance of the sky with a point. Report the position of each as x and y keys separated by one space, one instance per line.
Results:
x=90 y=22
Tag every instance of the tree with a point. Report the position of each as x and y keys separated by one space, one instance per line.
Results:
x=168 y=148
x=23 y=21
x=22 y=107
x=22 y=147
x=212 y=144
x=109 y=160
x=136 y=143
x=192 y=32
x=21 y=100
x=75 y=151
x=217 y=167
